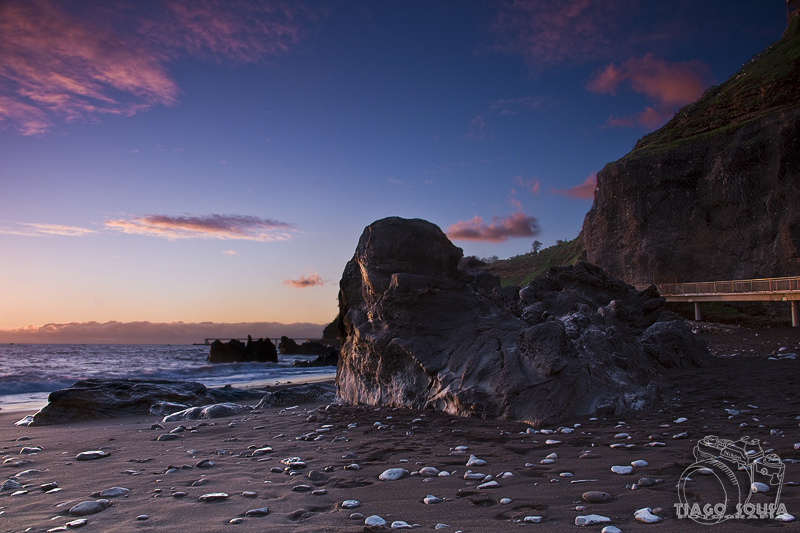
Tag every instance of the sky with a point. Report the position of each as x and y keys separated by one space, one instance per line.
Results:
x=205 y=161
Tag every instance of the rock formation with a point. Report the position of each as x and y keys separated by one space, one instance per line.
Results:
x=713 y=195
x=418 y=332
x=329 y=358
x=312 y=392
x=288 y=346
x=234 y=351
x=95 y=398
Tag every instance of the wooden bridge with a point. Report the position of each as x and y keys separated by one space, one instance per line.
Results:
x=753 y=290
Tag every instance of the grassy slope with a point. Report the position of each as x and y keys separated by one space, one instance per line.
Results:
x=764 y=85
x=521 y=269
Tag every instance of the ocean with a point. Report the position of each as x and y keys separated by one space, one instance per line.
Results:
x=29 y=372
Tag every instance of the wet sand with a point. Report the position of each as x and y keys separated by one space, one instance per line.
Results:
x=764 y=392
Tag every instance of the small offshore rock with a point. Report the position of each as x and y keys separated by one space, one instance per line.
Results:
x=591 y=520
x=89 y=507
x=261 y=511
x=374 y=520
x=392 y=474
x=91 y=455
x=596 y=496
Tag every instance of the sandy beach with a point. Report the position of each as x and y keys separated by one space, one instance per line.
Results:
x=165 y=481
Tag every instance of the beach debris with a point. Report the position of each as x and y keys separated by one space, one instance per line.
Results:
x=393 y=474
x=375 y=521
x=261 y=511
x=591 y=520
x=166 y=408
x=596 y=496
x=89 y=507
x=214 y=497
x=91 y=455
x=646 y=516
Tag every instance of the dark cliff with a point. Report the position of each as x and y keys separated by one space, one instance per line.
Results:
x=715 y=193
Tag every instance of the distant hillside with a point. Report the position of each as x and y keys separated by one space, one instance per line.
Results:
x=715 y=193
x=521 y=269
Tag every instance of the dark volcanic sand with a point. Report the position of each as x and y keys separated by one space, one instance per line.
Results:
x=700 y=395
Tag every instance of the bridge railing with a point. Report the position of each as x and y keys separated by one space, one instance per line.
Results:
x=731 y=287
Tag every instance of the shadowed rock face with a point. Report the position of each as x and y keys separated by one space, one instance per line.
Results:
x=418 y=332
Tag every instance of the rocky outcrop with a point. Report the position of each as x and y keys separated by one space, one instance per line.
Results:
x=288 y=346
x=94 y=399
x=713 y=194
x=418 y=332
x=329 y=358
x=234 y=351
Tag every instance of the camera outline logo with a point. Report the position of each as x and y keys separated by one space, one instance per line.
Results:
x=737 y=467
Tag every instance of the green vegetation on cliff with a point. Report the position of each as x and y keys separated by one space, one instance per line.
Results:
x=765 y=85
x=521 y=269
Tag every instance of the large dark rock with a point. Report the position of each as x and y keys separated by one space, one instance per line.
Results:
x=290 y=347
x=235 y=351
x=713 y=195
x=92 y=399
x=418 y=332
x=329 y=358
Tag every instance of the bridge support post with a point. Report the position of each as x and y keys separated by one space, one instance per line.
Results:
x=795 y=313
x=698 y=315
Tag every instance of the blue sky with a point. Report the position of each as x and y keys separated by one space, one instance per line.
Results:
x=217 y=161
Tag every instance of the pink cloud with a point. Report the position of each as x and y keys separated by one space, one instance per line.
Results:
x=532 y=185
x=584 y=191
x=209 y=226
x=668 y=85
x=58 y=66
x=500 y=229
x=312 y=280
x=30 y=229
x=546 y=32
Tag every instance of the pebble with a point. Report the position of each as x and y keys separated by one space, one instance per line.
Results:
x=319 y=492
x=682 y=435
x=784 y=517
x=441 y=525
x=591 y=520
x=236 y=520
x=302 y=488
x=473 y=476
x=505 y=501
x=611 y=529
x=474 y=461
x=596 y=496
x=375 y=521
x=204 y=463
x=213 y=497
x=261 y=451
x=178 y=494
x=91 y=455
x=641 y=463
x=646 y=516
x=392 y=474
x=89 y=507
x=552 y=441
x=553 y=455
x=113 y=492
x=350 y=504
x=533 y=519
x=167 y=436
x=249 y=494
x=10 y=484
x=622 y=436
x=30 y=449
x=759 y=487
x=680 y=420
x=80 y=522
x=261 y=511
x=546 y=461
x=142 y=517
x=48 y=486
x=430 y=499
x=489 y=485
x=622 y=470
x=399 y=524
x=356 y=516
x=428 y=471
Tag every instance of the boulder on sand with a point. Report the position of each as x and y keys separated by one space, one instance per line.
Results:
x=418 y=332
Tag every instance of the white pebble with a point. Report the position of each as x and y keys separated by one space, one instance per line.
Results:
x=784 y=517
x=552 y=441
x=393 y=474
x=646 y=516
x=591 y=520
x=350 y=504
x=534 y=519
x=399 y=524
x=505 y=501
x=680 y=420
x=489 y=485
x=759 y=487
x=430 y=499
x=474 y=461
x=374 y=520
x=622 y=470
x=610 y=529
x=641 y=463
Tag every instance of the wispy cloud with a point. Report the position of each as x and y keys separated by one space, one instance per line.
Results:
x=499 y=230
x=667 y=85
x=583 y=191
x=547 y=32
x=56 y=65
x=531 y=185
x=40 y=230
x=229 y=252
x=206 y=226
x=310 y=280
x=476 y=128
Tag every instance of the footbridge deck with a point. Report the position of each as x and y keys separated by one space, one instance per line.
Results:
x=765 y=289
